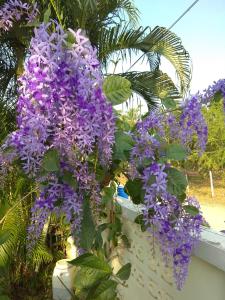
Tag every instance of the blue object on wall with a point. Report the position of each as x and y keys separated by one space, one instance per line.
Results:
x=121 y=192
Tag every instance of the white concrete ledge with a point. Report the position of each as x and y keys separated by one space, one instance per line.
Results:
x=212 y=244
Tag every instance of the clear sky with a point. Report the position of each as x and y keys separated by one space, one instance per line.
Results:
x=202 y=31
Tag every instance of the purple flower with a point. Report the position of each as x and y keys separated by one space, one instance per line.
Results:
x=14 y=10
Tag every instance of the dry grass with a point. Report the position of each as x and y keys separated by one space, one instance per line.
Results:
x=200 y=188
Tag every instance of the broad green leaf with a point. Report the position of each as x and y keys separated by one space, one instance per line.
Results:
x=175 y=152
x=123 y=145
x=93 y=262
x=4 y=236
x=106 y=290
x=47 y=15
x=169 y=103
x=87 y=233
x=134 y=188
x=117 y=89
x=176 y=182
x=124 y=272
x=86 y=277
x=51 y=161
x=192 y=210
x=69 y=179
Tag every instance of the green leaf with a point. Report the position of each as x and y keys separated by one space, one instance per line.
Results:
x=87 y=233
x=69 y=179
x=106 y=290
x=93 y=262
x=169 y=103
x=117 y=89
x=192 y=210
x=176 y=182
x=123 y=145
x=47 y=15
x=4 y=236
x=134 y=188
x=175 y=152
x=51 y=161
x=124 y=272
x=140 y=221
x=87 y=277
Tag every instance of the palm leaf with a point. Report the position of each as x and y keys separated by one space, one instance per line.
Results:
x=152 y=86
x=164 y=42
x=123 y=39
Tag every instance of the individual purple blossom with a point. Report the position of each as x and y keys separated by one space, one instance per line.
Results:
x=15 y=10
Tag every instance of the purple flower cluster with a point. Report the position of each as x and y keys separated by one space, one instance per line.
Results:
x=176 y=231
x=209 y=93
x=61 y=106
x=192 y=122
x=15 y=10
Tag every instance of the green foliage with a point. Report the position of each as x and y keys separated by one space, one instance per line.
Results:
x=94 y=277
x=192 y=210
x=69 y=179
x=134 y=188
x=153 y=86
x=175 y=152
x=124 y=272
x=117 y=89
x=87 y=232
x=169 y=103
x=176 y=182
x=123 y=145
x=93 y=262
x=140 y=221
x=51 y=161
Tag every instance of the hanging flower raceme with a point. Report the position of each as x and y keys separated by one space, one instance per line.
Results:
x=192 y=122
x=166 y=212
x=15 y=10
x=64 y=123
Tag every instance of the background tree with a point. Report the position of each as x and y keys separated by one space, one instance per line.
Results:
x=214 y=156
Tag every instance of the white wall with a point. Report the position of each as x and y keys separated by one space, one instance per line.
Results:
x=151 y=280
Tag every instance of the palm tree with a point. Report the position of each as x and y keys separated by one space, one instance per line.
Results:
x=111 y=26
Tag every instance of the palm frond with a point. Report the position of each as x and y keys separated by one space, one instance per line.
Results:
x=152 y=86
x=116 y=8
x=123 y=39
x=164 y=42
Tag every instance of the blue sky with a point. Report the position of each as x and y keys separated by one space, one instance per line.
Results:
x=202 y=31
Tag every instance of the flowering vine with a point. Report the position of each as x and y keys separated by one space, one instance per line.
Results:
x=63 y=120
x=66 y=135
x=15 y=10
